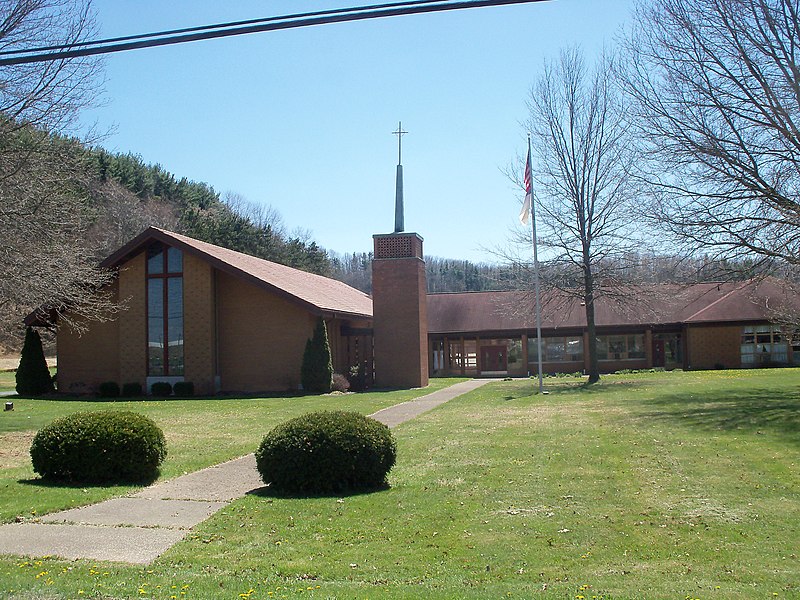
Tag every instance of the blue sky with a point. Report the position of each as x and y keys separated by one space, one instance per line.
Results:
x=301 y=120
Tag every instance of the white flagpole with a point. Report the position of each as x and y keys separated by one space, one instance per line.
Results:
x=536 y=277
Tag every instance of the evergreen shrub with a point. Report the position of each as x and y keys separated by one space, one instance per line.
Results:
x=327 y=451
x=339 y=383
x=183 y=389
x=161 y=389
x=316 y=372
x=109 y=389
x=132 y=389
x=358 y=378
x=99 y=447
x=33 y=377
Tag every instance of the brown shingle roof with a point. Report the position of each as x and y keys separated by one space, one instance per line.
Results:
x=319 y=294
x=644 y=305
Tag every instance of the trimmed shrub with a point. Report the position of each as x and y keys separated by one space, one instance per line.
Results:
x=358 y=377
x=33 y=376
x=99 y=447
x=316 y=372
x=339 y=383
x=161 y=389
x=109 y=389
x=132 y=389
x=327 y=451
x=183 y=388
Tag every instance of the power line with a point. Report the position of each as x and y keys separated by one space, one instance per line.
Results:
x=228 y=25
x=180 y=36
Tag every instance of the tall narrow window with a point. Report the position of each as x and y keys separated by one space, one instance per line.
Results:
x=164 y=311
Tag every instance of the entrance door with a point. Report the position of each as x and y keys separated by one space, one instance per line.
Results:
x=494 y=358
x=658 y=353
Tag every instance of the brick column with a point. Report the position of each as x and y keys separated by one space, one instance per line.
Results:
x=399 y=305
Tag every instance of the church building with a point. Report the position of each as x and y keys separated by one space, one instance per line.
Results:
x=232 y=323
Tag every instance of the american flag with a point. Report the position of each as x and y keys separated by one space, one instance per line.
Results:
x=526 y=206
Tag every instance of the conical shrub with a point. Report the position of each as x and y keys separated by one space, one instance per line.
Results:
x=33 y=376
x=316 y=371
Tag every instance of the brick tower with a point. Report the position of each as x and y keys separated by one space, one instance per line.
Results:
x=399 y=308
x=399 y=303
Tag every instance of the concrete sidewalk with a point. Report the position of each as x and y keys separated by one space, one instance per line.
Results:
x=140 y=527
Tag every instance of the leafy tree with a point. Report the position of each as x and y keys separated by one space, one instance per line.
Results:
x=316 y=372
x=33 y=376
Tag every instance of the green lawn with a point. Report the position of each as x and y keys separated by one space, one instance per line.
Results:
x=8 y=381
x=199 y=433
x=667 y=485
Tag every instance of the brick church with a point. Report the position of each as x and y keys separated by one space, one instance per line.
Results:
x=233 y=323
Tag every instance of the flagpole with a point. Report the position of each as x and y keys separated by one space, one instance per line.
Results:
x=536 y=280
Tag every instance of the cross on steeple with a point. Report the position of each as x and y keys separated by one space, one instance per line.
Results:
x=398 y=194
x=399 y=133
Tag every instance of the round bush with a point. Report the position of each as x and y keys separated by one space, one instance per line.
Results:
x=109 y=389
x=99 y=447
x=161 y=389
x=326 y=451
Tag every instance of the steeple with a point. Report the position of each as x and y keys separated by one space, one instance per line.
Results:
x=398 y=194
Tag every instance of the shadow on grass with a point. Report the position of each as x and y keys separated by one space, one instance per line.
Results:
x=556 y=387
x=57 y=483
x=754 y=410
x=268 y=491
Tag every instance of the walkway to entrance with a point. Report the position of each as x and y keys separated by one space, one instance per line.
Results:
x=140 y=527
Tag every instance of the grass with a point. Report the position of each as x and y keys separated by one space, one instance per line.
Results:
x=8 y=381
x=199 y=433
x=665 y=485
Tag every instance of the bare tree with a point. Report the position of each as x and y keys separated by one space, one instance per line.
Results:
x=580 y=173
x=44 y=258
x=715 y=97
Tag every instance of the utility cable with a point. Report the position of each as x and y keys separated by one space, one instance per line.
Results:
x=253 y=26
x=158 y=34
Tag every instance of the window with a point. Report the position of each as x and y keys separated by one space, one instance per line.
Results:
x=164 y=311
x=514 y=351
x=764 y=345
x=620 y=347
x=556 y=349
x=795 y=342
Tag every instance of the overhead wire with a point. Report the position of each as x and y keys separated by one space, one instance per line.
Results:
x=191 y=34
x=228 y=25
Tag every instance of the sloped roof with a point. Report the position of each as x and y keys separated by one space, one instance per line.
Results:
x=754 y=300
x=317 y=293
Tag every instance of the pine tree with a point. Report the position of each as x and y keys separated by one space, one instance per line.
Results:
x=317 y=369
x=33 y=376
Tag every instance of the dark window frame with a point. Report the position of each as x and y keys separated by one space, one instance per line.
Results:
x=165 y=275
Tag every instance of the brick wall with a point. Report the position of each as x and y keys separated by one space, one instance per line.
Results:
x=132 y=350
x=88 y=359
x=710 y=346
x=198 y=323
x=261 y=337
